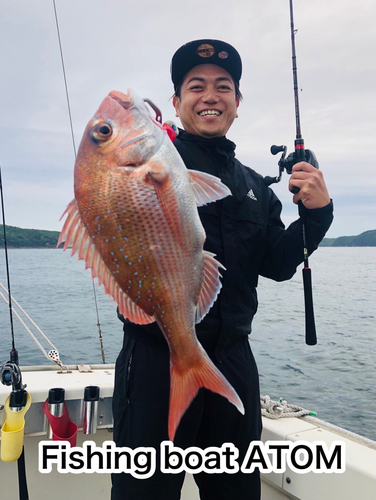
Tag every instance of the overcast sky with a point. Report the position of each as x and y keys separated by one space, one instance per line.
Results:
x=121 y=44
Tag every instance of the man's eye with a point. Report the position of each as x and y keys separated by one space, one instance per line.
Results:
x=196 y=87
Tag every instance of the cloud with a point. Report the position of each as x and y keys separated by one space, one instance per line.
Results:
x=120 y=45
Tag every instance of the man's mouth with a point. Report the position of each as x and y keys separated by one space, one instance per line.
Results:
x=210 y=112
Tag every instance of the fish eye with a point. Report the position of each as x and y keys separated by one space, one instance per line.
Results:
x=102 y=132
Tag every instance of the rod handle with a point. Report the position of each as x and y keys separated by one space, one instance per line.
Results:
x=310 y=333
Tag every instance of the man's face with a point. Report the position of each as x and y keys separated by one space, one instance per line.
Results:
x=207 y=105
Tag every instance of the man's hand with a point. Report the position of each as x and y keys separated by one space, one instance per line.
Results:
x=310 y=181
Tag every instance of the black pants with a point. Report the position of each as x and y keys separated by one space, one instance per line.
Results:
x=140 y=409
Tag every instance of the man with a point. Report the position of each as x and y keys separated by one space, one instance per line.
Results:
x=246 y=234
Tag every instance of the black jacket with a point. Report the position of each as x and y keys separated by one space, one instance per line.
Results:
x=246 y=234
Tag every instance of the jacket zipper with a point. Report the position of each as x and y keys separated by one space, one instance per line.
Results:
x=128 y=378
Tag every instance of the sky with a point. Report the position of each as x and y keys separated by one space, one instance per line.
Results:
x=121 y=44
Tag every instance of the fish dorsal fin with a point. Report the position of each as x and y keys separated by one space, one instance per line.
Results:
x=207 y=187
x=75 y=235
x=210 y=287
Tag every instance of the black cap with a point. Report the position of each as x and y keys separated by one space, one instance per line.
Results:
x=205 y=52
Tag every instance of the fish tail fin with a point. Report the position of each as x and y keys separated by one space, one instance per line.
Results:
x=185 y=384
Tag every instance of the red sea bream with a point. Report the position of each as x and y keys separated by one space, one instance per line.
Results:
x=134 y=221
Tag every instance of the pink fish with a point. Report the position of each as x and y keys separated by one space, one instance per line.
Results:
x=134 y=221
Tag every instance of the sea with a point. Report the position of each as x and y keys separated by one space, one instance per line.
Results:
x=335 y=378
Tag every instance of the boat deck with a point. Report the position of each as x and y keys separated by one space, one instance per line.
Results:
x=358 y=454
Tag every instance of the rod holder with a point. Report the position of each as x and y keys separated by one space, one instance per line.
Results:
x=55 y=405
x=91 y=399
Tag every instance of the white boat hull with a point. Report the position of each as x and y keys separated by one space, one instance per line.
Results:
x=359 y=479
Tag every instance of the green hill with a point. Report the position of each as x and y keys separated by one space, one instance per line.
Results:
x=366 y=239
x=28 y=238
x=38 y=238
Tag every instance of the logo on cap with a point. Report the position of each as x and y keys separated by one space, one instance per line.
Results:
x=205 y=50
x=223 y=54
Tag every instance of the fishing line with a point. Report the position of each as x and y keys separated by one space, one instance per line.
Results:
x=65 y=80
x=75 y=155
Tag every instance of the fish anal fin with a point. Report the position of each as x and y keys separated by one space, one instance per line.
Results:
x=184 y=386
x=210 y=287
x=75 y=235
x=207 y=187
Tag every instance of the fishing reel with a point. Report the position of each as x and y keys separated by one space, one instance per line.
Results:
x=300 y=154
x=10 y=374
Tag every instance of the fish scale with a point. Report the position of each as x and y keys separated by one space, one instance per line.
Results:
x=134 y=221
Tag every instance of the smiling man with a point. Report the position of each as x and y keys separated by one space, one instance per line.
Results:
x=207 y=102
x=246 y=234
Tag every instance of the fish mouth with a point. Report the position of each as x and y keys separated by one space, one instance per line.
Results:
x=126 y=101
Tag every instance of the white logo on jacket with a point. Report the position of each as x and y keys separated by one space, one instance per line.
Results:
x=251 y=195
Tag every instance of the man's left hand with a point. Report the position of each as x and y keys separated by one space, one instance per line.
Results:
x=313 y=192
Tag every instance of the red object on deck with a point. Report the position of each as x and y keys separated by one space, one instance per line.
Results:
x=62 y=427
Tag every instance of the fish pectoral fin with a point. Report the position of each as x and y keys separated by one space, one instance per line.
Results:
x=207 y=187
x=210 y=287
x=75 y=235
x=185 y=384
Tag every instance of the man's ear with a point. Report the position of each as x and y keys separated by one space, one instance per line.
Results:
x=176 y=104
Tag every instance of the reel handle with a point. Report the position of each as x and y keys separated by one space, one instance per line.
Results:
x=276 y=149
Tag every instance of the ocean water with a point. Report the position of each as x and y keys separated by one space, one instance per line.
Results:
x=336 y=378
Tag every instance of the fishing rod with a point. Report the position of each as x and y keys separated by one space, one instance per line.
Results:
x=300 y=154
x=10 y=374
x=13 y=353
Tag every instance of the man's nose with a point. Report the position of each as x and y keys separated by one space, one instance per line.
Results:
x=210 y=95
